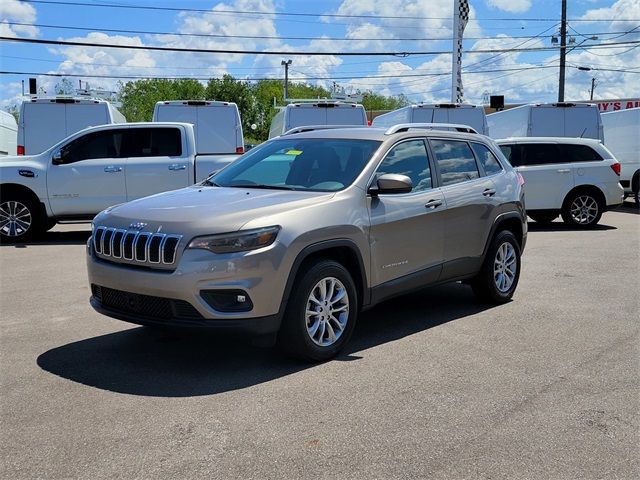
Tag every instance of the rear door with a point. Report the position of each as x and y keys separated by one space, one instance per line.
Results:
x=305 y=115
x=155 y=161
x=547 y=172
x=91 y=175
x=44 y=126
x=217 y=130
x=471 y=202
x=79 y=116
x=546 y=122
x=346 y=115
x=406 y=233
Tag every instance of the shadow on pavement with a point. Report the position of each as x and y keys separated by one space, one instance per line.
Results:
x=560 y=226
x=628 y=206
x=79 y=237
x=144 y=361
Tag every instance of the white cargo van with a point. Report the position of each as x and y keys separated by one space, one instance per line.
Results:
x=8 y=134
x=459 y=113
x=580 y=120
x=216 y=125
x=317 y=113
x=622 y=134
x=44 y=122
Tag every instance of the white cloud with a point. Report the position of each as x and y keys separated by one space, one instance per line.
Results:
x=513 y=6
x=19 y=12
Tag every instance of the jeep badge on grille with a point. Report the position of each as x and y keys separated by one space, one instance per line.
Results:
x=138 y=225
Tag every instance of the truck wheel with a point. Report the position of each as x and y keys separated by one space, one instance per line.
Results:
x=498 y=278
x=543 y=217
x=582 y=209
x=321 y=313
x=635 y=187
x=19 y=219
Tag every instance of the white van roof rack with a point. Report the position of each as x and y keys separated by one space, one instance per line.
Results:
x=405 y=127
x=311 y=128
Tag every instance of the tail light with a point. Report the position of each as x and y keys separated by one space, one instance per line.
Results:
x=368 y=123
x=520 y=179
x=20 y=149
x=616 y=168
x=240 y=150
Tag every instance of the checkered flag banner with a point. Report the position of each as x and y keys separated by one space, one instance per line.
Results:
x=462 y=12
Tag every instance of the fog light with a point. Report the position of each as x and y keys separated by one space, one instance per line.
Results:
x=227 y=300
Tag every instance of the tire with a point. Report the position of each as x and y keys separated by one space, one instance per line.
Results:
x=582 y=209
x=49 y=224
x=308 y=336
x=20 y=219
x=498 y=278
x=635 y=187
x=543 y=218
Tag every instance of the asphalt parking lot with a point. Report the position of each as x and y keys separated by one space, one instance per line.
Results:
x=432 y=385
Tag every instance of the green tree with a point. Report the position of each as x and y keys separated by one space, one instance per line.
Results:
x=139 y=97
x=64 y=87
x=13 y=110
x=376 y=102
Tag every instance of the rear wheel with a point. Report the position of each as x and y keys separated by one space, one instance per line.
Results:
x=582 y=209
x=498 y=278
x=543 y=217
x=321 y=313
x=20 y=219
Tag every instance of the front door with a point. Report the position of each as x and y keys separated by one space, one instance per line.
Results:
x=406 y=235
x=89 y=176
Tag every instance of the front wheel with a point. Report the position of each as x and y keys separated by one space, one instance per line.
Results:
x=321 y=313
x=19 y=219
x=582 y=209
x=498 y=278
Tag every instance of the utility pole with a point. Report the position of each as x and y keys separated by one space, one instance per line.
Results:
x=563 y=50
x=593 y=87
x=286 y=78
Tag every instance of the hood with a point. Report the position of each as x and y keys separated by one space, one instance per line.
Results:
x=18 y=161
x=206 y=210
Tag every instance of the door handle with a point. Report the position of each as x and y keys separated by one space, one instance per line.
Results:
x=564 y=170
x=112 y=169
x=489 y=192
x=175 y=166
x=433 y=204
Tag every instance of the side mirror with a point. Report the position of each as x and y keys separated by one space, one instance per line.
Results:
x=391 y=183
x=56 y=159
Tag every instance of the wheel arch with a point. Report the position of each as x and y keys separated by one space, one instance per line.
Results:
x=343 y=251
x=22 y=191
x=587 y=188
x=511 y=221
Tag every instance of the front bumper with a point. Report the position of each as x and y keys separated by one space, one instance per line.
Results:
x=175 y=298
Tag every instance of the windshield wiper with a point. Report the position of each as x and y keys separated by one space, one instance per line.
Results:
x=208 y=183
x=264 y=186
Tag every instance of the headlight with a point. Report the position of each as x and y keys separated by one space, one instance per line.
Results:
x=238 y=241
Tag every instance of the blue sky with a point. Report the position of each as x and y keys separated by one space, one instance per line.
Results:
x=365 y=26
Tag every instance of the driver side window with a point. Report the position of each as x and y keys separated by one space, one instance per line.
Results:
x=105 y=144
x=408 y=158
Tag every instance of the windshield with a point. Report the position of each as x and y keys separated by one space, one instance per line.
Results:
x=316 y=164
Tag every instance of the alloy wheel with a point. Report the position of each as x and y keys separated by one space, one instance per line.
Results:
x=505 y=266
x=15 y=218
x=327 y=311
x=584 y=209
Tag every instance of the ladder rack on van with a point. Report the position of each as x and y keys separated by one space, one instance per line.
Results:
x=405 y=127
x=311 y=128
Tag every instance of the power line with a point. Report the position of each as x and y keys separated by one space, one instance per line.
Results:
x=400 y=54
x=266 y=37
x=300 y=14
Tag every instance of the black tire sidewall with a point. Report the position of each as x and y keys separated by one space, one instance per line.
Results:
x=36 y=220
x=566 y=210
x=293 y=336
x=485 y=285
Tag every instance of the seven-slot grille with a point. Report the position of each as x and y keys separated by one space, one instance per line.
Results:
x=135 y=247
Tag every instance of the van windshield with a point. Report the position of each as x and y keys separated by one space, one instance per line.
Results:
x=324 y=165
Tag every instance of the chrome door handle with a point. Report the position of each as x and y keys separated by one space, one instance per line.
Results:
x=489 y=192
x=433 y=204
x=175 y=166
x=112 y=169
x=564 y=170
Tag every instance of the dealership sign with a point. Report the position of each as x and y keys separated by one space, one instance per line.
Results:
x=615 y=105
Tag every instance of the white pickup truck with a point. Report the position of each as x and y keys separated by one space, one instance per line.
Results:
x=95 y=168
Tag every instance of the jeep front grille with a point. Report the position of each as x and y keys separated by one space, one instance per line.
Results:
x=156 y=250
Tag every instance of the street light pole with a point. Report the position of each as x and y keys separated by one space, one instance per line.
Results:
x=286 y=78
x=563 y=50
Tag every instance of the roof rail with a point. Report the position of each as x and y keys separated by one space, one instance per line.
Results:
x=311 y=128
x=405 y=127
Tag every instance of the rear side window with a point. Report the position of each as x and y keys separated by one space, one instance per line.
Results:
x=104 y=144
x=580 y=153
x=487 y=159
x=541 y=154
x=455 y=161
x=153 y=142
x=410 y=159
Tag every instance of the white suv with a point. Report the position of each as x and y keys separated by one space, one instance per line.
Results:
x=577 y=178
